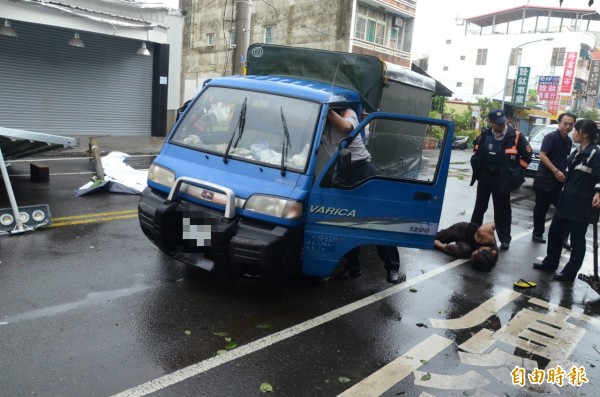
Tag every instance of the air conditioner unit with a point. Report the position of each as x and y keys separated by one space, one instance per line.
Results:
x=397 y=22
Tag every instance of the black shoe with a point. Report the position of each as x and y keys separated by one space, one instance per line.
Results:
x=347 y=274
x=504 y=246
x=541 y=266
x=538 y=238
x=393 y=277
x=566 y=245
x=562 y=277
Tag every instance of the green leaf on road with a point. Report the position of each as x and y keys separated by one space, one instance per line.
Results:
x=187 y=332
x=424 y=362
x=263 y=326
x=413 y=290
x=266 y=388
x=220 y=333
x=228 y=339
x=427 y=376
x=219 y=352
x=343 y=379
x=231 y=345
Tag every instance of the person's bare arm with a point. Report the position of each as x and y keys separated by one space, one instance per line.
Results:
x=339 y=122
x=548 y=164
x=439 y=245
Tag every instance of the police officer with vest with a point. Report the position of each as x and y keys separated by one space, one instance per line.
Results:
x=500 y=154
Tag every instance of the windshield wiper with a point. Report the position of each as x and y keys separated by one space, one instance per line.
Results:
x=238 y=127
x=286 y=142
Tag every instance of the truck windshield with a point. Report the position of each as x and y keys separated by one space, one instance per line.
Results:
x=215 y=118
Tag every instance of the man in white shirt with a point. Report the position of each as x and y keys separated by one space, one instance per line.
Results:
x=338 y=126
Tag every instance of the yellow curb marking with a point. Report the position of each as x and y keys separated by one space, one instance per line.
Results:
x=90 y=218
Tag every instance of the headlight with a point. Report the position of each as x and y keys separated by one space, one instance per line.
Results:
x=275 y=206
x=162 y=176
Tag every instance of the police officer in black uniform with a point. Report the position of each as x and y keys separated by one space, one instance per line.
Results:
x=500 y=154
x=581 y=193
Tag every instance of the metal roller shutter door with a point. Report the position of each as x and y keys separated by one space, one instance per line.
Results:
x=48 y=86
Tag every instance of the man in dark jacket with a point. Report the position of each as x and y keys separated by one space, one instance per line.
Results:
x=574 y=210
x=551 y=174
x=500 y=154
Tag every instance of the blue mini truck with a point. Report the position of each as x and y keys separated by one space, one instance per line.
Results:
x=242 y=186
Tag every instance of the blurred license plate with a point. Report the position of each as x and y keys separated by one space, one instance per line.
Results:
x=533 y=166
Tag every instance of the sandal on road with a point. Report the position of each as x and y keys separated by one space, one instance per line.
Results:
x=524 y=284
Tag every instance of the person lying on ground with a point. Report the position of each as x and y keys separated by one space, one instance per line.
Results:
x=468 y=240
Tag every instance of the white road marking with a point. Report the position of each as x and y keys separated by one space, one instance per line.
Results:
x=479 y=342
x=483 y=393
x=525 y=330
x=497 y=358
x=568 y=312
x=466 y=381
x=478 y=315
x=379 y=382
x=203 y=366
x=93 y=298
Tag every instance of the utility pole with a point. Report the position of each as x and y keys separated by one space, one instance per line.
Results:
x=243 y=16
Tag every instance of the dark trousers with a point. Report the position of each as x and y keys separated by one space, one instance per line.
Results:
x=389 y=256
x=542 y=205
x=455 y=237
x=487 y=185
x=559 y=228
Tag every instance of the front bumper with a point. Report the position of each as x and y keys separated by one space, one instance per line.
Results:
x=229 y=246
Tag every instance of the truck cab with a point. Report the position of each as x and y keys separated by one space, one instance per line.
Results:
x=243 y=186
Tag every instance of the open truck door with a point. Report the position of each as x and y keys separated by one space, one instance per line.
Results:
x=400 y=205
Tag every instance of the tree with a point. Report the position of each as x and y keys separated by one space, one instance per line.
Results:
x=485 y=106
x=591 y=114
x=437 y=103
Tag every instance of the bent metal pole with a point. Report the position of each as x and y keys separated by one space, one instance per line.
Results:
x=19 y=226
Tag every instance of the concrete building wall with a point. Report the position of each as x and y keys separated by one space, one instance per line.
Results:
x=318 y=24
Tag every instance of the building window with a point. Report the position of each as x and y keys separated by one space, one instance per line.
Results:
x=558 y=56
x=445 y=68
x=394 y=35
x=269 y=34
x=448 y=41
x=462 y=57
x=478 y=86
x=232 y=38
x=210 y=39
x=481 y=56
x=370 y=24
x=515 y=56
x=458 y=84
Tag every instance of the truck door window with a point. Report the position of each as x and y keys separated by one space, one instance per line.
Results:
x=399 y=150
x=268 y=122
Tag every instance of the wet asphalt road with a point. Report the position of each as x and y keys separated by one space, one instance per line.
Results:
x=90 y=308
